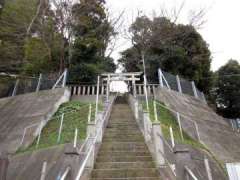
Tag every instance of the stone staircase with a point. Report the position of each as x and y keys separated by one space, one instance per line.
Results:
x=123 y=153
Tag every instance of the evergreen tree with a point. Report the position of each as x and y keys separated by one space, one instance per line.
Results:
x=1 y=6
x=15 y=18
x=91 y=33
x=228 y=91
x=175 y=48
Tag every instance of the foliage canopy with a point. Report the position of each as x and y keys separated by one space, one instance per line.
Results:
x=175 y=48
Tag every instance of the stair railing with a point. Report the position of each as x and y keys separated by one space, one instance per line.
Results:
x=66 y=172
x=62 y=78
x=179 y=118
x=90 y=151
x=189 y=174
x=40 y=125
x=152 y=134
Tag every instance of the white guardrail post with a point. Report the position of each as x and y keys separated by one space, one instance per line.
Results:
x=97 y=97
x=75 y=138
x=194 y=90
x=92 y=135
x=180 y=125
x=39 y=83
x=39 y=134
x=172 y=136
x=64 y=78
x=90 y=113
x=190 y=174
x=91 y=127
x=197 y=131
x=108 y=87
x=136 y=110
x=157 y=141
x=60 y=129
x=160 y=77
x=15 y=88
x=44 y=171
x=179 y=84
x=68 y=169
x=145 y=92
x=145 y=125
x=208 y=169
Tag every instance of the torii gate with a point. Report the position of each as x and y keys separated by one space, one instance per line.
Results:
x=129 y=77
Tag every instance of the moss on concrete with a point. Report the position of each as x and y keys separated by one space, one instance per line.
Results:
x=167 y=119
x=75 y=116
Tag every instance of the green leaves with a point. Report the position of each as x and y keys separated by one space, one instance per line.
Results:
x=227 y=90
x=37 y=54
x=176 y=48
x=92 y=31
x=14 y=20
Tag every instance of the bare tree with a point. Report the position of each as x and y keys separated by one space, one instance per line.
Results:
x=174 y=13
x=64 y=16
x=116 y=22
x=39 y=6
x=197 y=18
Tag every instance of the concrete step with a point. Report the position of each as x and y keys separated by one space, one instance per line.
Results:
x=123 y=145
x=121 y=110
x=110 y=131
x=122 y=139
x=124 y=117
x=126 y=165
x=124 y=148
x=123 y=153
x=124 y=173
x=136 y=178
x=126 y=158
x=127 y=114
x=123 y=128
x=137 y=135
x=134 y=128
x=121 y=107
x=120 y=124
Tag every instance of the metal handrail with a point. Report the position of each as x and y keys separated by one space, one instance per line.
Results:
x=168 y=164
x=39 y=123
x=174 y=111
x=62 y=78
x=171 y=149
x=91 y=148
x=65 y=173
x=187 y=118
x=25 y=131
x=190 y=173
x=22 y=76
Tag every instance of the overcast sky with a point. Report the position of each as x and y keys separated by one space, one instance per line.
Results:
x=221 y=31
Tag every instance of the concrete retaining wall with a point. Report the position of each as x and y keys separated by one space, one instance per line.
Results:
x=22 y=111
x=193 y=158
x=214 y=131
x=28 y=166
